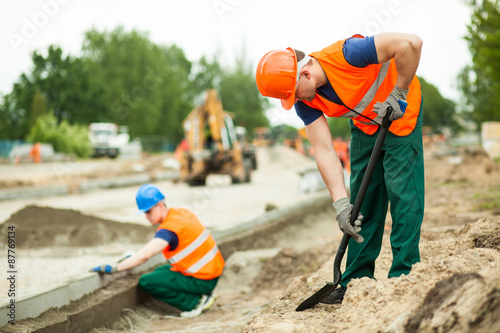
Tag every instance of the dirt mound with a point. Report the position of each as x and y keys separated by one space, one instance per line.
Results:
x=463 y=165
x=281 y=269
x=453 y=289
x=38 y=227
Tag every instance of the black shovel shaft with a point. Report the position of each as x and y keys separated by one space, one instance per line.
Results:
x=337 y=274
x=360 y=197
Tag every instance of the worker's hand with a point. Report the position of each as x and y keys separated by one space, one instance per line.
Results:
x=107 y=269
x=396 y=99
x=344 y=209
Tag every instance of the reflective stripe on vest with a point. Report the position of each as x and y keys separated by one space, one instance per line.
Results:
x=190 y=248
x=203 y=261
x=197 y=253
x=370 y=94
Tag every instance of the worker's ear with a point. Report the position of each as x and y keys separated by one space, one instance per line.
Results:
x=306 y=73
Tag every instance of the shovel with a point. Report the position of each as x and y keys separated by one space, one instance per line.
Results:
x=337 y=275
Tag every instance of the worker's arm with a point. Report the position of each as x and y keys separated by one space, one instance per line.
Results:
x=405 y=49
x=152 y=248
x=327 y=159
x=332 y=173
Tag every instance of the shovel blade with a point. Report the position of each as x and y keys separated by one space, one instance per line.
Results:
x=317 y=296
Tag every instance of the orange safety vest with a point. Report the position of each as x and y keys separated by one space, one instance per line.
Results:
x=197 y=253
x=360 y=88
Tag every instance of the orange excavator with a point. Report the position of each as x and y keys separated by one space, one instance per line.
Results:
x=212 y=145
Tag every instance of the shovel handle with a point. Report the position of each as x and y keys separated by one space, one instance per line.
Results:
x=337 y=274
x=377 y=148
x=386 y=123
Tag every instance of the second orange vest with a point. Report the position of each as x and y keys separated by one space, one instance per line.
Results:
x=360 y=88
x=197 y=253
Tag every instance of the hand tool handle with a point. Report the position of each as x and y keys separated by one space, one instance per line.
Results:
x=337 y=274
x=386 y=123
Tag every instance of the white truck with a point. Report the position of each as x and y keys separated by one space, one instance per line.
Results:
x=108 y=139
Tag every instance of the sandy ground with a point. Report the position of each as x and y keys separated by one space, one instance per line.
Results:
x=455 y=288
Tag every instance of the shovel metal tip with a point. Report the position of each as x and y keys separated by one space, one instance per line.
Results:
x=317 y=296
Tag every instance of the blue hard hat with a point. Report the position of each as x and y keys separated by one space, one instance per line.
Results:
x=147 y=196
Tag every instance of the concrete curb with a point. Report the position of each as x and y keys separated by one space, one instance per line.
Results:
x=114 y=182
x=32 y=306
x=85 y=186
x=33 y=192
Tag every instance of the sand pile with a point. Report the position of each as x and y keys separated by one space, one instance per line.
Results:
x=454 y=289
x=38 y=227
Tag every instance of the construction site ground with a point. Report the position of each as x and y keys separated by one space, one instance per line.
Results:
x=455 y=287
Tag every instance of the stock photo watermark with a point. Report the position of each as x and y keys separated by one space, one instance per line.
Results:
x=11 y=274
x=380 y=18
x=222 y=7
x=31 y=25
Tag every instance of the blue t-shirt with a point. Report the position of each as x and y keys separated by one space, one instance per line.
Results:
x=358 y=52
x=169 y=236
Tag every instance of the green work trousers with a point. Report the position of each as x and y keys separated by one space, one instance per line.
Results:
x=176 y=289
x=399 y=179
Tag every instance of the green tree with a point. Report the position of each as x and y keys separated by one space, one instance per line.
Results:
x=67 y=84
x=65 y=138
x=237 y=90
x=60 y=83
x=240 y=95
x=38 y=108
x=146 y=85
x=340 y=127
x=13 y=124
x=480 y=81
x=207 y=74
x=439 y=112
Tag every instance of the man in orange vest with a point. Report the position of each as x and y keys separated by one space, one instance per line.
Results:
x=342 y=150
x=194 y=260
x=36 y=152
x=359 y=78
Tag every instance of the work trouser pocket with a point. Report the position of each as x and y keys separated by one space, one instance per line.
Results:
x=401 y=160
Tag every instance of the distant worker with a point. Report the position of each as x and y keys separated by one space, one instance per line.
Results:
x=359 y=78
x=36 y=152
x=194 y=260
x=342 y=149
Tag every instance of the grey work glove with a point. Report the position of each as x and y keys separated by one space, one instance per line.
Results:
x=396 y=99
x=344 y=209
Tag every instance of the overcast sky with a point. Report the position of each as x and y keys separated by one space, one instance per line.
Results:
x=229 y=28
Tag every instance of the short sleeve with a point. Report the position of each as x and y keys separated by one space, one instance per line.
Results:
x=169 y=236
x=307 y=113
x=360 y=52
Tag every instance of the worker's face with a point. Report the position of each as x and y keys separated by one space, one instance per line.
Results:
x=306 y=90
x=154 y=215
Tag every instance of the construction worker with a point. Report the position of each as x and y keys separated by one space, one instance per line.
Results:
x=359 y=78
x=342 y=149
x=36 y=152
x=194 y=260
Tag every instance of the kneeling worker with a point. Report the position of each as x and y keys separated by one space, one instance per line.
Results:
x=194 y=260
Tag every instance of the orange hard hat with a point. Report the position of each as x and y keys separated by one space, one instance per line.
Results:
x=276 y=76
